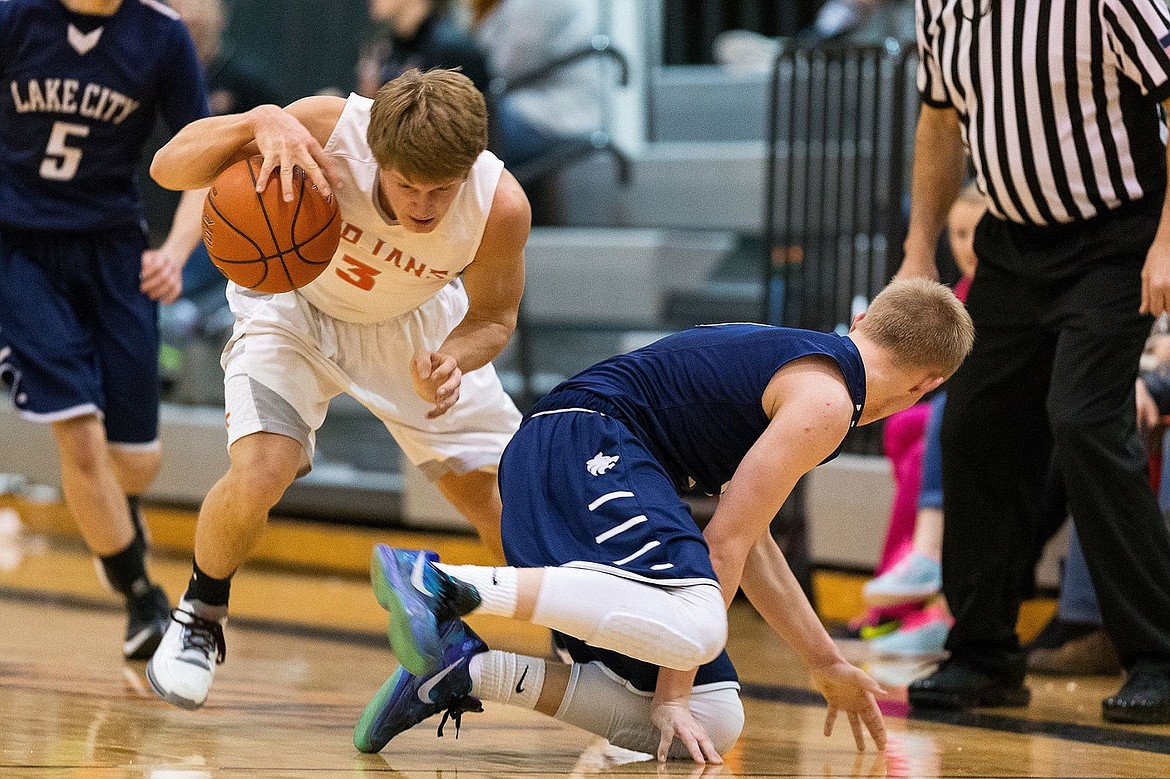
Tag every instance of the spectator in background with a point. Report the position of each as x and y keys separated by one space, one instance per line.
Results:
x=419 y=34
x=235 y=82
x=521 y=36
x=840 y=18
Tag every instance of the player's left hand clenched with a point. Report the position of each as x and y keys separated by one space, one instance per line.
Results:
x=162 y=275
x=849 y=689
x=436 y=380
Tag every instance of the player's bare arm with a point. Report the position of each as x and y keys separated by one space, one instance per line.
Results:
x=288 y=137
x=810 y=411
x=940 y=163
x=775 y=593
x=494 y=283
x=1156 y=271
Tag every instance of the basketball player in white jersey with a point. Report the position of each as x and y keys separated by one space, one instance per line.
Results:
x=421 y=295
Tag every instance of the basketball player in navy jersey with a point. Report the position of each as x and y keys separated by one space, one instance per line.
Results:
x=82 y=83
x=603 y=550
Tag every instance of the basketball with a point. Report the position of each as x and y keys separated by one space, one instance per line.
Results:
x=261 y=242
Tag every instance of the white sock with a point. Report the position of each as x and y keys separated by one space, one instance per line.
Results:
x=497 y=586
x=506 y=677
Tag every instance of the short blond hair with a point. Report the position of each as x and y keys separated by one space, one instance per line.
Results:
x=920 y=324
x=430 y=127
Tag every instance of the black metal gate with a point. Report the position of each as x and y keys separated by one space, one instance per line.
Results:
x=841 y=135
x=840 y=146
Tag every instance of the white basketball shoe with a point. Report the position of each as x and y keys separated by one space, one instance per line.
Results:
x=184 y=663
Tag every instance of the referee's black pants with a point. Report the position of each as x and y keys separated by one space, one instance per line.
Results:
x=1057 y=342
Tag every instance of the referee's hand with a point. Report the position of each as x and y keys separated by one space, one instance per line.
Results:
x=914 y=267
x=1156 y=277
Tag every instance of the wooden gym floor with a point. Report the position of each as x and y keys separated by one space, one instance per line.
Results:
x=306 y=649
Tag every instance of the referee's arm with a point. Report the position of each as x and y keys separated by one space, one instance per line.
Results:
x=940 y=164
x=1156 y=272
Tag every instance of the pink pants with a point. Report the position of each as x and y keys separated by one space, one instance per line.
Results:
x=903 y=442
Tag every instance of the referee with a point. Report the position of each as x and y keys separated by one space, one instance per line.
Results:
x=1058 y=106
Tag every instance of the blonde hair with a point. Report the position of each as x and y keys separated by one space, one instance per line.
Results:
x=920 y=324
x=430 y=127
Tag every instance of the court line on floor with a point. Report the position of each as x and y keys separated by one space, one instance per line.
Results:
x=1097 y=735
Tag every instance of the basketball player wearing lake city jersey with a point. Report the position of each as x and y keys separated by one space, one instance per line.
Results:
x=82 y=83
x=420 y=297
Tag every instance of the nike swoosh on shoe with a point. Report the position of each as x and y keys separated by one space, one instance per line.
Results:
x=416 y=575
x=131 y=645
x=424 y=692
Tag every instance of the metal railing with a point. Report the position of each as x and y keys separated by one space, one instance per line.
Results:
x=840 y=146
x=840 y=141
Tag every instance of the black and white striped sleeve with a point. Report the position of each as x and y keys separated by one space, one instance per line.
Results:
x=1139 y=31
x=931 y=86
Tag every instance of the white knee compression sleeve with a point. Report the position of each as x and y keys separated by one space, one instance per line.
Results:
x=677 y=627
x=600 y=704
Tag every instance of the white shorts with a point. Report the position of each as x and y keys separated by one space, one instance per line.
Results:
x=286 y=360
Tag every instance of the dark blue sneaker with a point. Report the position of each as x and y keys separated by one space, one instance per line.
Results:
x=419 y=598
x=404 y=700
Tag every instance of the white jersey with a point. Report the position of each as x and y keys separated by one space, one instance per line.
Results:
x=381 y=270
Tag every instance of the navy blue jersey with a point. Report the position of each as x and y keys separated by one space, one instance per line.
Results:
x=79 y=95
x=695 y=398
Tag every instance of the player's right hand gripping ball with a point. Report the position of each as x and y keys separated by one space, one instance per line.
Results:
x=263 y=243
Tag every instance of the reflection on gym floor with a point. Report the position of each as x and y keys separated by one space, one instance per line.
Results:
x=307 y=649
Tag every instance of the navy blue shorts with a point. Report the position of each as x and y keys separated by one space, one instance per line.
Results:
x=579 y=489
x=82 y=337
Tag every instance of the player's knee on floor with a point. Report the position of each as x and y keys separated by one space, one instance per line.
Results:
x=599 y=702
x=720 y=713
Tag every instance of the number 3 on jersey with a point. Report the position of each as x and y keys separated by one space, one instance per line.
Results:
x=358 y=274
x=62 y=160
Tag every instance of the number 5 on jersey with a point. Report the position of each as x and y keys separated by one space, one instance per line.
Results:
x=62 y=160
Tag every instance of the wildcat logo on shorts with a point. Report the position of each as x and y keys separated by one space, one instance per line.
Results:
x=601 y=463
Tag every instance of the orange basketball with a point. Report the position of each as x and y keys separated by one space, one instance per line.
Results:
x=261 y=242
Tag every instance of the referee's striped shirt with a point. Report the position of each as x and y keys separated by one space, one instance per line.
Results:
x=1057 y=99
